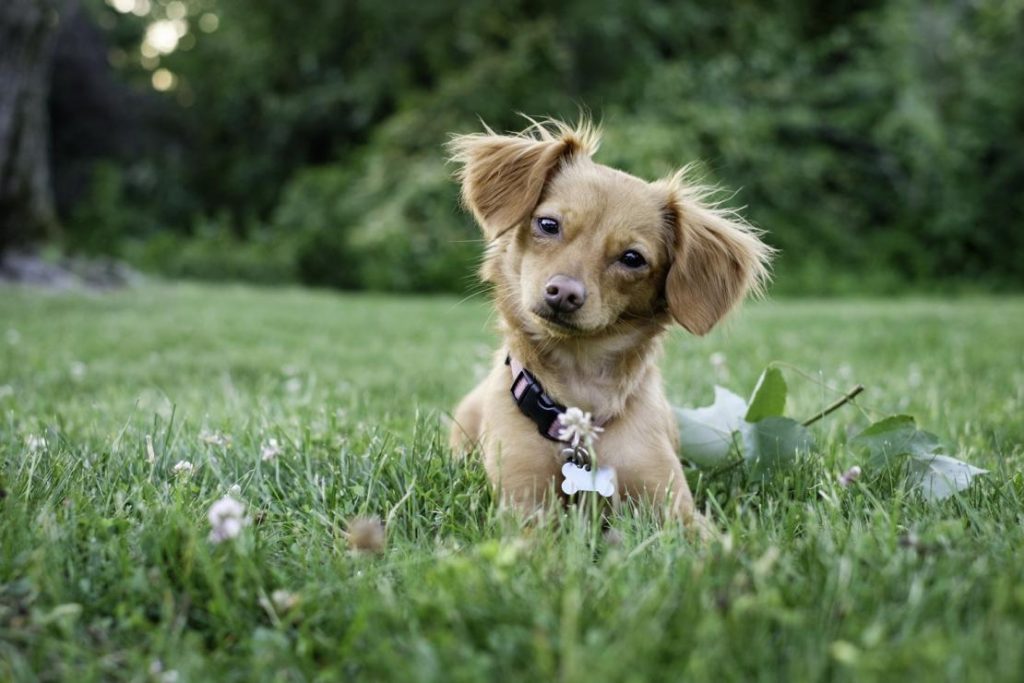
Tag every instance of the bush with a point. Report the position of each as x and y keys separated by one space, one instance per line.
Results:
x=105 y=217
x=214 y=253
x=314 y=214
x=365 y=229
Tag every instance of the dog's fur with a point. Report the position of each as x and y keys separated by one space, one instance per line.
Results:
x=701 y=261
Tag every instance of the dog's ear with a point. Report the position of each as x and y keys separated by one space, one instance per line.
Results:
x=503 y=176
x=717 y=258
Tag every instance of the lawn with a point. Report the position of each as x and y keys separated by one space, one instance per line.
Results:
x=107 y=572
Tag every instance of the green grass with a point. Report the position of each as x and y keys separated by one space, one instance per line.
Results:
x=106 y=572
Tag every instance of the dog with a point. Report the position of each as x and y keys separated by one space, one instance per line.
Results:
x=589 y=267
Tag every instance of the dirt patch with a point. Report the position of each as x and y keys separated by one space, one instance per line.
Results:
x=66 y=272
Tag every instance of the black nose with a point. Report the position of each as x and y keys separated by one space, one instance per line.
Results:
x=564 y=294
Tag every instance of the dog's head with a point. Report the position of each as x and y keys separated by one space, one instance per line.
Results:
x=576 y=248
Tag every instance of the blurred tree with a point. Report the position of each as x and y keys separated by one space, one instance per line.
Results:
x=880 y=142
x=27 y=32
x=107 y=138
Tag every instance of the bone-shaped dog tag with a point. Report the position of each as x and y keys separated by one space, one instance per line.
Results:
x=576 y=479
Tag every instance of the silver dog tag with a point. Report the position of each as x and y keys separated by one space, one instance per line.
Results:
x=601 y=479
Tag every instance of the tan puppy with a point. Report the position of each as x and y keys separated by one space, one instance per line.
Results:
x=590 y=266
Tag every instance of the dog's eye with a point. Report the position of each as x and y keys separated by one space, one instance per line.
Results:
x=548 y=226
x=632 y=259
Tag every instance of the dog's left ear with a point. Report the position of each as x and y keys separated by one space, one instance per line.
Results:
x=717 y=259
x=503 y=176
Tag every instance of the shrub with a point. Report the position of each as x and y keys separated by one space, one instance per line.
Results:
x=215 y=253
x=369 y=228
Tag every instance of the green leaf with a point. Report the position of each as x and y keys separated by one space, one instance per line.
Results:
x=769 y=397
x=774 y=441
x=705 y=434
x=895 y=437
x=888 y=424
x=937 y=475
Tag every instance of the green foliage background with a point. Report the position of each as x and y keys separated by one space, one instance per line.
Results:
x=881 y=144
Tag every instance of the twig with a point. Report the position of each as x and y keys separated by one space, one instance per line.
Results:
x=843 y=400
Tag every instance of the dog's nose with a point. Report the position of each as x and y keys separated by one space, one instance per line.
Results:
x=564 y=294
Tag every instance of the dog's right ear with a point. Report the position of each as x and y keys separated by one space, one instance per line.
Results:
x=503 y=176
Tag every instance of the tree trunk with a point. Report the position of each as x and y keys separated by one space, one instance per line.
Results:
x=27 y=32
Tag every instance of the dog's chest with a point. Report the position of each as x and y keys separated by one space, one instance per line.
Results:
x=604 y=397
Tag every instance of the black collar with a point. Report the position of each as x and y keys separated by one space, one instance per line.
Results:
x=534 y=402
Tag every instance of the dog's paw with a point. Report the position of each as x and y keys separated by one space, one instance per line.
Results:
x=701 y=529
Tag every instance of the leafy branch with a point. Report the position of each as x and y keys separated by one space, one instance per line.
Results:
x=732 y=433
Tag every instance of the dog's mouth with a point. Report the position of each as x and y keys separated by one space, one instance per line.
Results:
x=558 y=322
x=561 y=325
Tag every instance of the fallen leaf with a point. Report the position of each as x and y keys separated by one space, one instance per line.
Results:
x=773 y=441
x=705 y=434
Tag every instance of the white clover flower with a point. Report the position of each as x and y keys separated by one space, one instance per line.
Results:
x=183 y=468
x=77 y=370
x=35 y=443
x=717 y=360
x=577 y=426
x=270 y=450
x=280 y=602
x=293 y=385
x=283 y=600
x=849 y=476
x=227 y=519
x=235 y=490
x=215 y=438
x=156 y=670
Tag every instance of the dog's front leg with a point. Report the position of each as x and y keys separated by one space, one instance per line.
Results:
x=657 y=477
x=467 y=422
x=684 y=510
x=523 y=467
